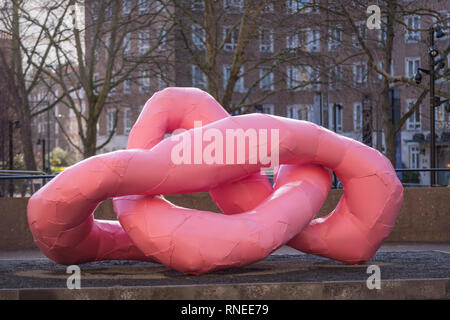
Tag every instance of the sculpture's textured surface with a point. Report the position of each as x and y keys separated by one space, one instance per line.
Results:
x=258 y=218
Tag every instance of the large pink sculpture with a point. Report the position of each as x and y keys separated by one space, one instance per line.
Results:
x=257 y=219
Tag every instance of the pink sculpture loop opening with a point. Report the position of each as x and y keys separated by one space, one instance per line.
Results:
x=258 y=217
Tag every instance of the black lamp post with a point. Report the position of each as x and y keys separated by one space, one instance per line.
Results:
x=42 y=143
x=434 y=31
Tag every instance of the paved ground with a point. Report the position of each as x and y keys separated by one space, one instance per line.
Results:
x=28 y=269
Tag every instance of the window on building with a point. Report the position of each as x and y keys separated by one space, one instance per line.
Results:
x=230 y=36
x=162 y=39
x=444 y=22
x=143 y=42
x=127 y=44
x=109 y=10
x=143 y=6
x=303 y=77
x=414 y=154
x=292 y=111
x=96 y=82
x=441 y=116
x=107 y=45
x=162 y=83
x=110 y=120
x=339 y=116
x=414 y=122
x=292 y=77
x=127 y=86
x=292 y=41
x=411 y=66
x=198 y=77
x=265 y=40
x=391 y=69
x=198 y=36
x=412 y=33
x=335 y=80
x=144 y=81
x=335 y=35
x=266 y=79
x=239 y=85
x=357 y=116
x=360 y=73
x=126 y=7
x=94 y=10
x=127 y=120
x=313 y=78
x=361 y=27
x=198 y=5
x=113 y=87
x=313 y=40
x=302 y=6
x=233 y=4
x=268 y=109
x=299 y=112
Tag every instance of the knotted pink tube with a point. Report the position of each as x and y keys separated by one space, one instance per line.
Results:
x=259 y=218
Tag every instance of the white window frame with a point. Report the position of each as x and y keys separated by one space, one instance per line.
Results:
x=415 y=64
x=335 y=37
x=414 y=156
x=231 y=45
x=357 y=116
x=313 y=39
x=292 y=80
x=292 y=41
x=239 y=85
x=110 y=115
x=143 y=42
x=233 y=4
x=144 y=81
x=198 y=77
x=126 y=86
x=126 y=43
x=127 y=121
x=362 y=31
x=198 y=5
x=144 y=6
x=268 y=75
x=360 y=79
x=263 y=36
x=334 y=81
x=268 y=109
x=412 y=124
x=126 y=7
x=198 y=36
x=412 y=22
x=339 y=117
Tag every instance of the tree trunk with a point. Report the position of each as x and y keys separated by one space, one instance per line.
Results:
x=27 y=141
x=90 y=143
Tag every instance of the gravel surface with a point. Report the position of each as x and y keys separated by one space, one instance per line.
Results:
x=43 y=273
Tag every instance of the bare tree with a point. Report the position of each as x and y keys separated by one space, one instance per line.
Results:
x=378 y=50
x=249 y=36
x=29 y=53
x=99 y=58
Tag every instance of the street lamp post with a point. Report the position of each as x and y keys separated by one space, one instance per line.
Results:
x=432 y=108
x=434 y=101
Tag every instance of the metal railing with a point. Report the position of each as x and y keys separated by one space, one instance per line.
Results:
x=32 y=186
x=34 y=181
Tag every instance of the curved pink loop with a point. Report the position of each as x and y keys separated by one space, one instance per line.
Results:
x=60 y=214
